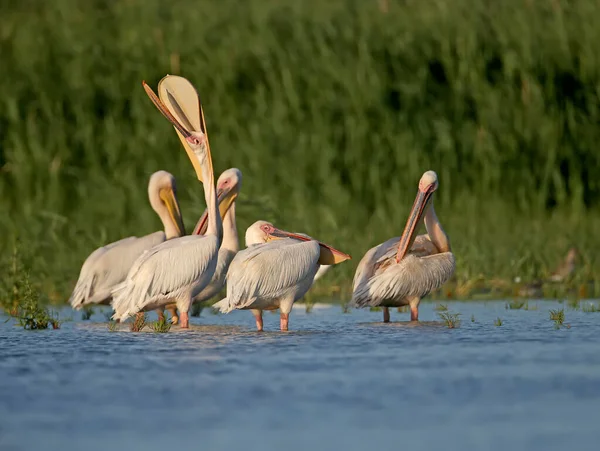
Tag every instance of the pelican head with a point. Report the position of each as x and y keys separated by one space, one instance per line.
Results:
x=228 y=188
x=263 y=232
x=195 y=141
x=427 y=186
x=162 y=192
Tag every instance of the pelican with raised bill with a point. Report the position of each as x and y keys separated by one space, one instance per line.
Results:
x=107 y=266
x=228 y=188
x=173 y=271
x=404 y=269
x=276 y=269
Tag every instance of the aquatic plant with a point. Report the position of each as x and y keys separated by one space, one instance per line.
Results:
x=498 y=322
x=113 y=326
x=441 y=308
x=139 y=322
x=345 y=307
x=452 y=320
x=590 y=308
x=557 y=316
x=472 y=318
x=375 y=309
x=54 y=319
x=87 y=312
x=162 y=326
x=517 y=305
x=403 y=309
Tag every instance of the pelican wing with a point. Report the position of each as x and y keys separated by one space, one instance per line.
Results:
x=268 y=271
x=164 y=271
x=218 y=280
x=322 y=268
x=413 y=276
x=107 y=266
x=368 y=264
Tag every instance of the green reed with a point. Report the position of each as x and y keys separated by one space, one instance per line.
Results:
x=332 y=129
x=451 y=320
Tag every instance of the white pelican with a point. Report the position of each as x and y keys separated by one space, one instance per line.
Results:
x=228 y=188
x=107 y=266
x=178 y=269
x=276 y=269
x=389 y=275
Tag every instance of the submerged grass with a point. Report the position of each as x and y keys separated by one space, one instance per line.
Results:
x=590 y=308
x=162 y=326
x=87 y=312
x=451 y=320
x=139 y=322
x=325 y=101
x=558 y=316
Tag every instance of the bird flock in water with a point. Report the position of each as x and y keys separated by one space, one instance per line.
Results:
x=171 y=270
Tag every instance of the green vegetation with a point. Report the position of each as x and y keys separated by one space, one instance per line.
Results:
x=498 y=322
x=332 y=110
x=162 y=326
x=558 y=316
x=21 y=299
x=452 y=320
x=590 y=308
x=139 y=322
x=87 y=312
x=517 y=305
x=441 y=308
x=113 y=326
x=472 y=318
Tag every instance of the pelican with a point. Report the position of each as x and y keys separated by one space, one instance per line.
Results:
x=178 y=269
x=107 y=266
x=228 y=188
x=389 y=275
x=276 y=269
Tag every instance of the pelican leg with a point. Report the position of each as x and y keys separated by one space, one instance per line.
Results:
x=173 y=312
x=414 y=309
x=185 y=320
x=386 y=315
x=259 y=320
x=161 y=314
x=283 y=321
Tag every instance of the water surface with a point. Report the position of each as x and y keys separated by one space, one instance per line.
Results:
x=335 y=380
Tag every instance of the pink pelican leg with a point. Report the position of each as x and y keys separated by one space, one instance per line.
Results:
x=259 y=319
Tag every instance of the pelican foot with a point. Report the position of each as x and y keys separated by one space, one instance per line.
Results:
x=174 y=317
x=283 y=321
x=185 y=321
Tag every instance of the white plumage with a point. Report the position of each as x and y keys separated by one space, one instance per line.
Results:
x=174 y=270
x=383 y=282
x=275 y=270
x=177 y=270
x=401 y=271
x=107 y=266
x=271 y=275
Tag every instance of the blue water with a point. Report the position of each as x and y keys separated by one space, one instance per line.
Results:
x=335 y=380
